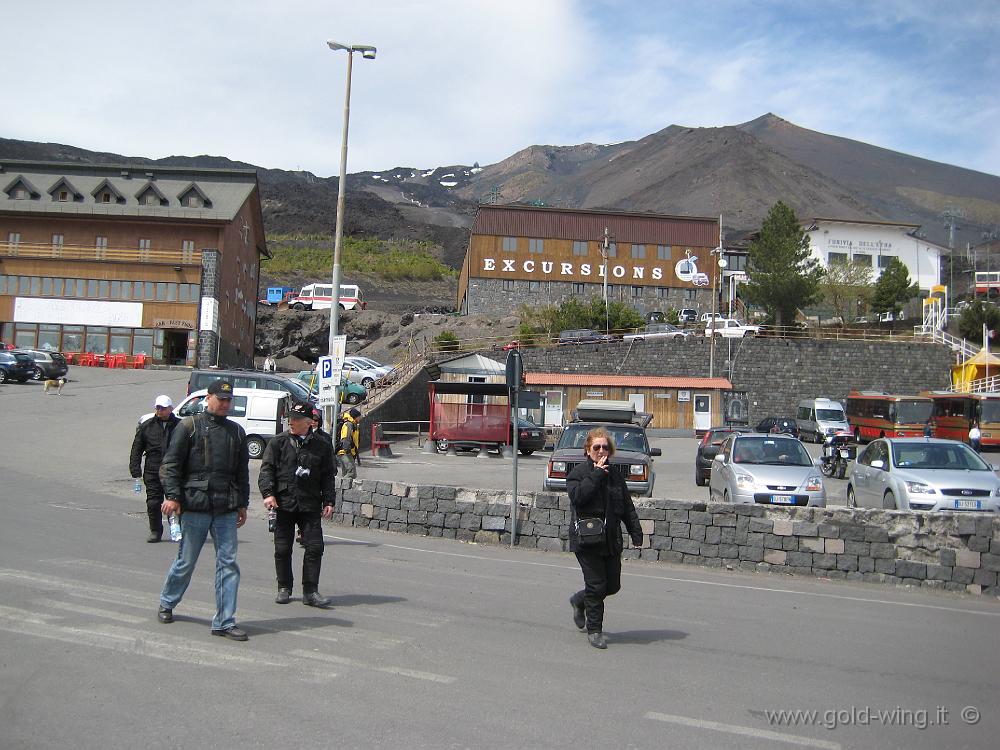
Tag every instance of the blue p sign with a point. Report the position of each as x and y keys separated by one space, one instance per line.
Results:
x=327 y=367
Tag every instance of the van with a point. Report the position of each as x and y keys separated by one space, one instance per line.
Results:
x=261 y=413
x=819 y=417
x=267 y=381
x=320 y=297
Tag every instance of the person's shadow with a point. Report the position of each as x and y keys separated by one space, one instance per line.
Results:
x=647 y=636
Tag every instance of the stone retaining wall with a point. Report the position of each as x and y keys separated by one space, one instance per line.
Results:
x=951 y=551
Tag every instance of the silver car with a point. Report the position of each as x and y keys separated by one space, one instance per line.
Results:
x=360 y=370
x=767 y=470
x=922 y=474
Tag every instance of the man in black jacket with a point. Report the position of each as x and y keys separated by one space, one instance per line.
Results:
x=297 y=480
x=152 y=438
x=206 y=478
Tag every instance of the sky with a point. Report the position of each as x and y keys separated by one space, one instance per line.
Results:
x=466 y=81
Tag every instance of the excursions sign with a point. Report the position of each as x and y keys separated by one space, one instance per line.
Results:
x=685 y=271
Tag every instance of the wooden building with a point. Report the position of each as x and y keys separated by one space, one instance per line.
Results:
x=539 y=256
x=131 y=259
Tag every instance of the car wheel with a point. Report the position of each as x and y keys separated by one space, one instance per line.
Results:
x=3 y=376
x=841 y=469
x=852 y=500
x=889 y=501
x=526 y=452
x=255 y=446
x=37 y=374
x=353 y=398
x=699 y=479
x=368 y=383
x=857 y=435
x=725 y=496
x=298 y=306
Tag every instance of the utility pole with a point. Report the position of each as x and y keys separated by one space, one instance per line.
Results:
x=720 y=264
x=605 y=249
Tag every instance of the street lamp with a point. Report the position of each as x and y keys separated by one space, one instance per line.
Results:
x=368 y=52
x=715 y=302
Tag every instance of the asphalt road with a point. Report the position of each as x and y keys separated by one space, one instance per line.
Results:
x=433 y=643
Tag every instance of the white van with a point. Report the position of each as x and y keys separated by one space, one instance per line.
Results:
x=820 y=417
x=262 y=413
x=320 y=297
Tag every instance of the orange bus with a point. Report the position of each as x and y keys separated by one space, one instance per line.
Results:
x=875 y=414
x=954 y=414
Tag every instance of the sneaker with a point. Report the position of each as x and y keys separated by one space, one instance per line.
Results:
x=597 y=640
x=284 y=596
x=233 y=634
x=313 y=599
x=579 y=614
x=165 y=615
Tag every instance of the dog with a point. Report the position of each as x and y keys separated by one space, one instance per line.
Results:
x=56 y=385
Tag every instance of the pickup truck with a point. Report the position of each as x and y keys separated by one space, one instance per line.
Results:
x=730 y=328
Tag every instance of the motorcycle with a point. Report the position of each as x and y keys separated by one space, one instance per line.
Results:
x=836 y=454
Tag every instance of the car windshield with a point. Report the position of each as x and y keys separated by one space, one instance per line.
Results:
x=830 y=415
x=772 y=451
x=955 y=456
x=990 y=410
x=626 y=437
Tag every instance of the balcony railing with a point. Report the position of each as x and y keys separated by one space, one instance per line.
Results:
x=107 y=254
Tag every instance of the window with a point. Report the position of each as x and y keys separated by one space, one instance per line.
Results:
x=24 y=285
x=13 y=239
x=736 y=262
x=3 y=284
x=48 y=337
x=57 y=287
x=100 y=242
x=47 y=287
x=91 y=288
x=145 y=244
x=121 y=339
x=884 y=261
x=662 y=292
x=57 y=240
x=105 y=196
x=97 y=339
x=636 y=292
x=663 y=252
x=510 y=244
x=72 y=338
x=187 y=250
x=534 y=286
x=536 y=246
x=612 y=249
x=105 y=289
x=161 y=291
x=142 y=341
x=63 y=196
x=690 y=295
x=171 y=292
x=862 y=259
x=36 y=286
x=638 y=251
x=579 y=248
x=835 y=258
x=116 y=290
x=20 y=193
x=611 y=290
x=578 y=287
x=509 y=285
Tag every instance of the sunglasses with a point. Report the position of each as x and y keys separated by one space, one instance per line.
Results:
x=600 y=447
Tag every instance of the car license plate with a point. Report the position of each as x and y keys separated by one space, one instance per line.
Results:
x=844 y=453
x=967 y=505
x=782 y=499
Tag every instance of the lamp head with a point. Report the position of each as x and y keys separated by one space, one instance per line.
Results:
x=366 y=50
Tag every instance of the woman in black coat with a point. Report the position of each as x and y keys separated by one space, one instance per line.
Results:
x=595 y=491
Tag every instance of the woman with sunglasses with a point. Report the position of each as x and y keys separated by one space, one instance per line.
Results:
x=598 y=492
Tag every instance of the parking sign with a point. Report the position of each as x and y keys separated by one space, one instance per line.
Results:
x=330 y=372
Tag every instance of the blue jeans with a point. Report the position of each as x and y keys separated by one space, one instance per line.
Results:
x=195 y=528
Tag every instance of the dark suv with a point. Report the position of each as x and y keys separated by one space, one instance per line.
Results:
x=778 y=425
x=709 y=446
x=15 y=365
x=633 y=456
x=48 y=365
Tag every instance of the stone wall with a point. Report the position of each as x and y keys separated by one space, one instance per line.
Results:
x=951 y=551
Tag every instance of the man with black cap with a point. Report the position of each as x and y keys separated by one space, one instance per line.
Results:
x=206 y=478
x=151 y=439
x=296 y=479
x=348 y=440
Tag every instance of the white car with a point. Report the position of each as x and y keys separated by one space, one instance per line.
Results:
x=707 y=317
x=730 y=328
x=362 y=370
x=658 y=331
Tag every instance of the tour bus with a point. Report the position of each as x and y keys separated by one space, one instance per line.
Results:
x=875 y=414
x=954 y=414
x=320 y=296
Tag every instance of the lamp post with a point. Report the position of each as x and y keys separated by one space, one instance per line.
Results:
x=605 y=249
x=716 y=272
x=368 y=52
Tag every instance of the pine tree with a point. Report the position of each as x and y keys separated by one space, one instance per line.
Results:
x=893 y=289
x=783 y=274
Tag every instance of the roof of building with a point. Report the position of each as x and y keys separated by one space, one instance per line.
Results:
x=222 y=191
x=473 y=364
x=641 y=381
x=588 y=225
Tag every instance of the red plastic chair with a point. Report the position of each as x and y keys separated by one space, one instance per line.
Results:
x=140 y=362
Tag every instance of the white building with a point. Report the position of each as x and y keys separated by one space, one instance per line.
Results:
x=874 y=244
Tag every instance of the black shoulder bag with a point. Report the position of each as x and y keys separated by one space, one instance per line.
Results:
x=590 y=531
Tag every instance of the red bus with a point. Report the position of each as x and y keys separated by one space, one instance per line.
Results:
x=874 y=414
x=954 y=414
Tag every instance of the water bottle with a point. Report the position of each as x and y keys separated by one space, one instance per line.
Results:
x=175 y=528
x=137 y=488
x=272 y=519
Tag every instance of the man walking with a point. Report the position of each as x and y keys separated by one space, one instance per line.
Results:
x=151 y=439
x=206 y=478
x=296 y=479
x=348 y=440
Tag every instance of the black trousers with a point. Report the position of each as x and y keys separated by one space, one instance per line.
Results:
x=154 y=499
x=602 y=577
x=311 y=525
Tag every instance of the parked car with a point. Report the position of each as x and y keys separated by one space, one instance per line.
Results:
x=706 y=318
x=252 y=379
x=48 y=365
x=709 y=445
x=364 y=371
x=658 y=331
x=730 y=328
x=782 y=425
x=260 y=412
x=633 y=457
x=583 y=336
x=15 y=365
x=688 y=315
x=820 y=417
x=922 y=474
x=350 y=393
x=766 y=470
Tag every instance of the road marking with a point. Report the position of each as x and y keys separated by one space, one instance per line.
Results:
x=94 y=611
x=691 y=581
x=400 y=671
x=791 y=739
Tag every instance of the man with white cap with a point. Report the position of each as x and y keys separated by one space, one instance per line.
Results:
x=152 y=438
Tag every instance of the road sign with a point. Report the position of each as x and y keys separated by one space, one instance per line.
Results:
x=330 y=373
